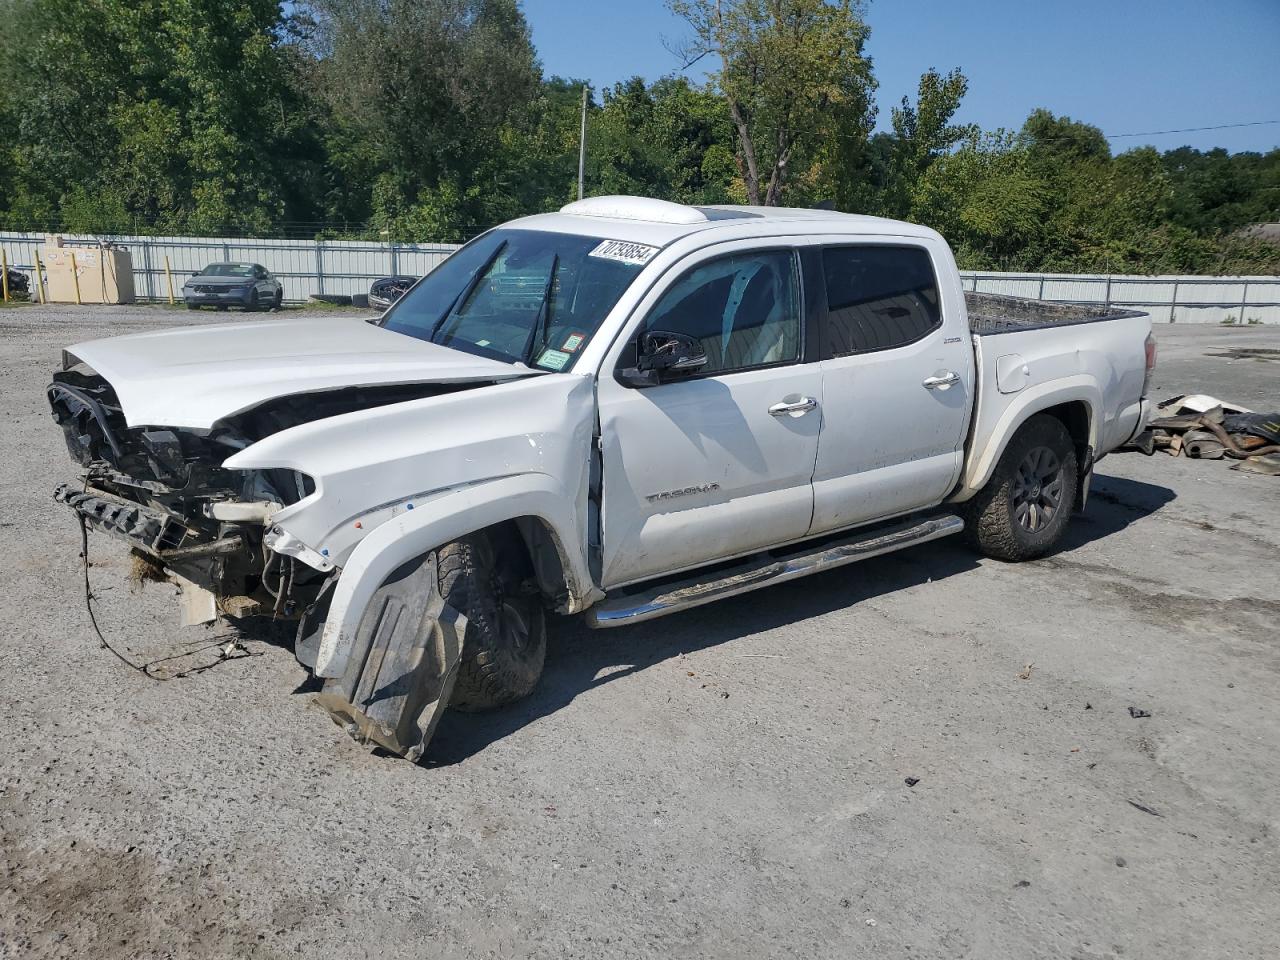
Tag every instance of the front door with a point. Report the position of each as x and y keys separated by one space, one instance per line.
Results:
x=717 y=463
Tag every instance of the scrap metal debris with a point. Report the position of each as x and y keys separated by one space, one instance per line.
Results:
x=1138 y=713
x=1206 y=428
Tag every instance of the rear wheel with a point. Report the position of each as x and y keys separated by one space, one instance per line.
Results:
x=506 y=636
x=1023 y=511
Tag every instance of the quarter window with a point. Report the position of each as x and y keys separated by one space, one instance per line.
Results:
x=878 y=298
x=743 y=308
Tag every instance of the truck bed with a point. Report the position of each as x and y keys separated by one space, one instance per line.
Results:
x=991 y=313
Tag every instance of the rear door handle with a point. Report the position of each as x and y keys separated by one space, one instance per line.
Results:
x=942 y=380
x=793 y=408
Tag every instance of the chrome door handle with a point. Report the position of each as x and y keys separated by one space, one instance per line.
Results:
x=793 y=408
x=942 y=381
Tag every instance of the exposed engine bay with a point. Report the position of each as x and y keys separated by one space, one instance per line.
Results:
x=164 y=492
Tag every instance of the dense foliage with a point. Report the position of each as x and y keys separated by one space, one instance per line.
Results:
x=432 y=120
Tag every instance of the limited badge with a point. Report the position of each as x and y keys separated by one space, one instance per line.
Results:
x=553 y=359
x=573 y=342
x=624 y=252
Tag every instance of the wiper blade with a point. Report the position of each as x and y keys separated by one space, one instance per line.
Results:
x=542 y=321
x=461 y=299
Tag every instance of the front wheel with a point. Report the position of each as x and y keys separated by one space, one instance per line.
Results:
x=506 y=636
x=1022 y=512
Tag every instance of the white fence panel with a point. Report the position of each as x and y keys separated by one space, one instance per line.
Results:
x=347 y=267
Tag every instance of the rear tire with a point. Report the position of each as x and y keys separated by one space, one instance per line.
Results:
x=1023 y=511
x=505 y=642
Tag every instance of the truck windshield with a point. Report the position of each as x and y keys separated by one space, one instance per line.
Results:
x=522 y=296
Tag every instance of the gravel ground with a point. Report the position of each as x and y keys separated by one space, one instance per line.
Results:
x=726 y=783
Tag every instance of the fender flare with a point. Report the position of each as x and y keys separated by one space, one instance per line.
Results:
x=1077 y=389
x=438 y=521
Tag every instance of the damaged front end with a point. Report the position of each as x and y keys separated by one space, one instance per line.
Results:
x=164 y=493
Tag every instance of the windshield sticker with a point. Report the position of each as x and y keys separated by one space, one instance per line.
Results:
x=553 y=359
x=624 y=252
x=573 y=342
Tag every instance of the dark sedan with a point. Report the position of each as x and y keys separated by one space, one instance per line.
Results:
x=246 y=285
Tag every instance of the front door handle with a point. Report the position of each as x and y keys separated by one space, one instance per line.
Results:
x=942 y=380
x=793 y=408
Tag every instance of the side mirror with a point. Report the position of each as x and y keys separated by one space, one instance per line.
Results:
x=662 y=356
x=674 y=352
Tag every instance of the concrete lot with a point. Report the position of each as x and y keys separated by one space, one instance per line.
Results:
x=726 y=783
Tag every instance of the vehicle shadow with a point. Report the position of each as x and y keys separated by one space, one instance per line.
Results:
x=580 y=660
x=1114 y=504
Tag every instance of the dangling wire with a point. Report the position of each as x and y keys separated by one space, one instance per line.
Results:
x=227 y=649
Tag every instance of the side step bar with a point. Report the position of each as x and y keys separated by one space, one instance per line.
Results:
x=751 y=575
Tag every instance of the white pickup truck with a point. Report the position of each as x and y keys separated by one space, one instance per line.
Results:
x=621 y=410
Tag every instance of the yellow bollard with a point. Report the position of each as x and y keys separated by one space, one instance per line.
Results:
x=39 y=276
x=168 y=276
x=4 y=274
x=75 y=275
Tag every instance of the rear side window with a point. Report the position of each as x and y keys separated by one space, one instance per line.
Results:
x=878 y=298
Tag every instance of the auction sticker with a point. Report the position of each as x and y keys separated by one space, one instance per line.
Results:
x=624 y=252
x=553 y=359
x=573 y=342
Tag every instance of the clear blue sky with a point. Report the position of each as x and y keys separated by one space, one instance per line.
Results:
x=1126 y=66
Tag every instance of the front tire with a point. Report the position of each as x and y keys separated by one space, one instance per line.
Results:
x=1023 y=511
x=506 y=637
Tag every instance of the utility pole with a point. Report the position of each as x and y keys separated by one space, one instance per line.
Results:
x=582 y=143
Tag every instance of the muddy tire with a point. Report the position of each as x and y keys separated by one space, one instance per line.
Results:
x=1023 y=511
x=506 y=638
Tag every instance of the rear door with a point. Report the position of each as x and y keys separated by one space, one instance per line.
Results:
x=718 y=463
x=898 y=379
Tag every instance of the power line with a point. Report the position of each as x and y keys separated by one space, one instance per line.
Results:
x=1220 y=126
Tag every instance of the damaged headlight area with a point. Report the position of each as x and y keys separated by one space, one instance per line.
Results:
x=165 y=493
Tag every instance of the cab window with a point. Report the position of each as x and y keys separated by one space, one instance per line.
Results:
x=878 y=298
x=744 y=308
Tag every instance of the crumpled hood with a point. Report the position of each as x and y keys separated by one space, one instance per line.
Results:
x=193 y=377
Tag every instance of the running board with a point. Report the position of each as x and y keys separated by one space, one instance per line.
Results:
x=695 y=591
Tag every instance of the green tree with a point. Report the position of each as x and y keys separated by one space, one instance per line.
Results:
x=988 y=202
x=787 y=68
x=422 y=93
x=169 y=112
x=923 y=132
x=666 y=139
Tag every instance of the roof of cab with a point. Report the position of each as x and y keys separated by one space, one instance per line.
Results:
x=659 y=222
